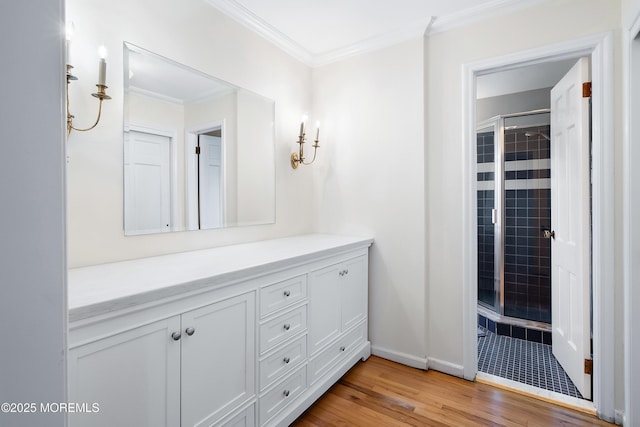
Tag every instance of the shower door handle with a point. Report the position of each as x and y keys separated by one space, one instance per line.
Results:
x=549 y=234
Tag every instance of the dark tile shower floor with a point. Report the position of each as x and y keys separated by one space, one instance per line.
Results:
x=523 y=361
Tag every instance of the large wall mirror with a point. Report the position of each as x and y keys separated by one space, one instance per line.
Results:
x=198 y=151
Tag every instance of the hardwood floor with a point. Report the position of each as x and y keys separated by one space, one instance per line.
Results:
x=383 y=393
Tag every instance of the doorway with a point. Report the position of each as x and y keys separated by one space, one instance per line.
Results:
x=515 y=252
x=599 y=49
x=206 y=154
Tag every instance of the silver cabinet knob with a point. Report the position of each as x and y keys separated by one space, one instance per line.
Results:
x=176 y=336
x=190 y=331
x=341 y=273
x=346 y=271
x=343 y=348
x=287 y=326
x=287 y=293
x=286 y=393
x=286 y=360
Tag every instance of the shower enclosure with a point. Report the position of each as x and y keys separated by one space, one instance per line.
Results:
x=514 y=211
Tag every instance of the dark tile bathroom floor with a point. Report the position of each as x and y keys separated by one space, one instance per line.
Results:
x=523 y=361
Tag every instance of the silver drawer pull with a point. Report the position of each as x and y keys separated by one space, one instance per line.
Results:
x=287 y=293
x=287 y=326
x=190 y=331
x=343 y=348
x=176 y=336
x=286 y=360
x=286 y=393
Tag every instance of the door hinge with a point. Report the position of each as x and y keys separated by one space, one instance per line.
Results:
x=198 y=150
x=588 y=366
x=586 y=90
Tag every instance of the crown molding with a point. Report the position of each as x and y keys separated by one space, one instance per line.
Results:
x=417 y=29
x=244 y=16
x=427 y=26
x=479 y=13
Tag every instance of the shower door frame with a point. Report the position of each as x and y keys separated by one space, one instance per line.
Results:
x=499 y=211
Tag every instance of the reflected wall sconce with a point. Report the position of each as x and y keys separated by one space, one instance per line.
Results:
x=297 y=159
x=100 y=94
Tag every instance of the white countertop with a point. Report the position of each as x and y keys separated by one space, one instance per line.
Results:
x=104 y=288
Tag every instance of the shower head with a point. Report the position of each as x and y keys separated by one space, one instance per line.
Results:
x=530 y=134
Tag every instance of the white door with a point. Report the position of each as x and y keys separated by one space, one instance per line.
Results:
x=133 y=377
x=218 y=359
x=210 y=166
x=570 y=195
x=324 y=306
x=353 y=291
x=147 y=180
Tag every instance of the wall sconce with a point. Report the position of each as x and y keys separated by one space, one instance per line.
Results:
x=100 y=94
x=298 y=158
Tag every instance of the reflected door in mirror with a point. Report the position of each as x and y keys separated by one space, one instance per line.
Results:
x=147 y=183
x=211 y=200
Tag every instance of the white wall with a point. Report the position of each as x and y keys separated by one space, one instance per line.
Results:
x=32 y=186
x=445 y=54
x=197 y=35
x=369 y=179
x=255 y=158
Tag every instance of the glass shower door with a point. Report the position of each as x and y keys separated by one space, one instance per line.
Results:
x=488 y=147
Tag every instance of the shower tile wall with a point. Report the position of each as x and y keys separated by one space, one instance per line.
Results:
x=486 y=235
x=527 y=254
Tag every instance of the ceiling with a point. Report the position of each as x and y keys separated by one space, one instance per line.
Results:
x=319 y=32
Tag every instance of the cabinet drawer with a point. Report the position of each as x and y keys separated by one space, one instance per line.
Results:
x=283 y=327
x=282 y=361
x=282 y=294
x=329 y=357
x=282 y=394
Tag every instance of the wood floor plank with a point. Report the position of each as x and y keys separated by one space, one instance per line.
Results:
x=383 y=393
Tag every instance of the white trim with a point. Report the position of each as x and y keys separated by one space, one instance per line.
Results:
x=478 y=13
x=399 y=357
x=630 y=257
x=427 y=25
x=547 y=395
x=244 y=16
x=406 y=32
x=600 y=48
x=446 y=367
x=173 y=166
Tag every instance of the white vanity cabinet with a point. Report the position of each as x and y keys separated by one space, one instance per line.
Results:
x=248 y=335
x=190 y=369
x=116 y=371
x=337 y=313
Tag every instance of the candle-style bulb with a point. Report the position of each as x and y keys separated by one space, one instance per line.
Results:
x=302 y=121
x=102 y=66
x=317 y=130
x=70 y=30
x=102 y=52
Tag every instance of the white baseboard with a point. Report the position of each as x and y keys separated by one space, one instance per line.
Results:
x=446 y=367
x=619 y=417
x=399 y=357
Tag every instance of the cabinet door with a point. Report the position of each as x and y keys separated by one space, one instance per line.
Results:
x=133 y=376
x=218 y=359
x=324 y=306
x=354 y=292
